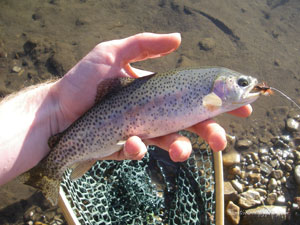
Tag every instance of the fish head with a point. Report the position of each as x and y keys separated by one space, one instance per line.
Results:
x=235 y=89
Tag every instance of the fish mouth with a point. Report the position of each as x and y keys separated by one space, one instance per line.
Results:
x=251 y=94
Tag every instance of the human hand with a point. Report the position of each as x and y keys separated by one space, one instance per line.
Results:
x=77 y=90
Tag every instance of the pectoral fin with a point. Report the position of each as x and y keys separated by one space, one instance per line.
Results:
x=212 y=101
x=122 y=142
x=79 y=169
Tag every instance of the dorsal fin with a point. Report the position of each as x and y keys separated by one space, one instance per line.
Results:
x=112 y=85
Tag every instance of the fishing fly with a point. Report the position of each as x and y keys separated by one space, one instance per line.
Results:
x=264 y=89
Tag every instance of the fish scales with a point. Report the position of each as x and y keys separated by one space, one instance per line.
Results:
x=138 y=109
x=149 y=107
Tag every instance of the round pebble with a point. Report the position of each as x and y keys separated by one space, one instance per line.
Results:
x=280 y=200
x=271 y=199
x=255 y=177
x=231 y=158
x=236 y=170
x=251 y=167
x=288 y=167
x=16 y=69
x=265 y=158
x=237 y=186
x=292 y=125
x=297 y=174
x=207 y=44
x=277 y=174
x=263 y=151
x=272 y=184
x=243 y=144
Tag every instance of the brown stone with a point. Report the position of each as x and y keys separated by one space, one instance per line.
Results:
x=271 y=199
x=231 y=158
x=255 y=177
x=229 y=192
x=277 y=174
x=233 y=212
x=236 y=170
x=249 y=199
x=237 y=186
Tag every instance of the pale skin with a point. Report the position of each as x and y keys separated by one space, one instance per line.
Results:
x=31 y=116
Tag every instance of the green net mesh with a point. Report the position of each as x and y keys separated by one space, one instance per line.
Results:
x=154 y=190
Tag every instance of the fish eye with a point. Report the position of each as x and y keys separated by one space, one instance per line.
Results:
x=242 y=82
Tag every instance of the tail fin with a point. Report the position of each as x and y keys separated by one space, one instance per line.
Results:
x=37 y=179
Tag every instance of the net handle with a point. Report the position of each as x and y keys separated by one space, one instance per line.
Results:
x=66 y=208
x=219 y=180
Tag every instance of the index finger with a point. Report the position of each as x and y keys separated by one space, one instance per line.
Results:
x=244 y=111
x=147 y=45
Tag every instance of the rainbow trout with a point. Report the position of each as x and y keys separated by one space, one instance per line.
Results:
x=148 y=107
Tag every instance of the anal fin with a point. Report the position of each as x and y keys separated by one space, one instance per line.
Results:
x=79 y=169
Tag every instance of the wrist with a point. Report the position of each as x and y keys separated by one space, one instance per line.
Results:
x=27 y=120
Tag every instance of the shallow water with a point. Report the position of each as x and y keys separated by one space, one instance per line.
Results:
x=260 y=38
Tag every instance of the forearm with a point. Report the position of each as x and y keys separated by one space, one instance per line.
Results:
x=27 y=119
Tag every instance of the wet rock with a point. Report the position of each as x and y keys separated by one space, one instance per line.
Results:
x=264 y=140
x=36 y=16
x=256 y=169
x=207 y=44
x=297 y=141
x=29 y=47
x=254 y=156
x=249 y=199
x=265 y=181
x=274 y=163
x=243 y=174
x=280 y=144
x=54 y=66
x=271 y=199
x=263 y=151
x=280 y=200
x=237 y=186
x=248 y=158
x=243 y=144
x=229 y=192
x=251 y=167
x=236 y=170
x=231 y=158
x=33 y=213
x=255 y=177
x=283 y=180
x=261 y=191
x=291 y=156
x=233 y=212
x=268 y=215
x=297 y=157
x=266 y=168
x=297 y=201
x=297 y=174
x=265 y=158
x=278 y=152
x=16 y=69
x=277 y=174
x=288 y=167
x=292 y=125
x=272 y=184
